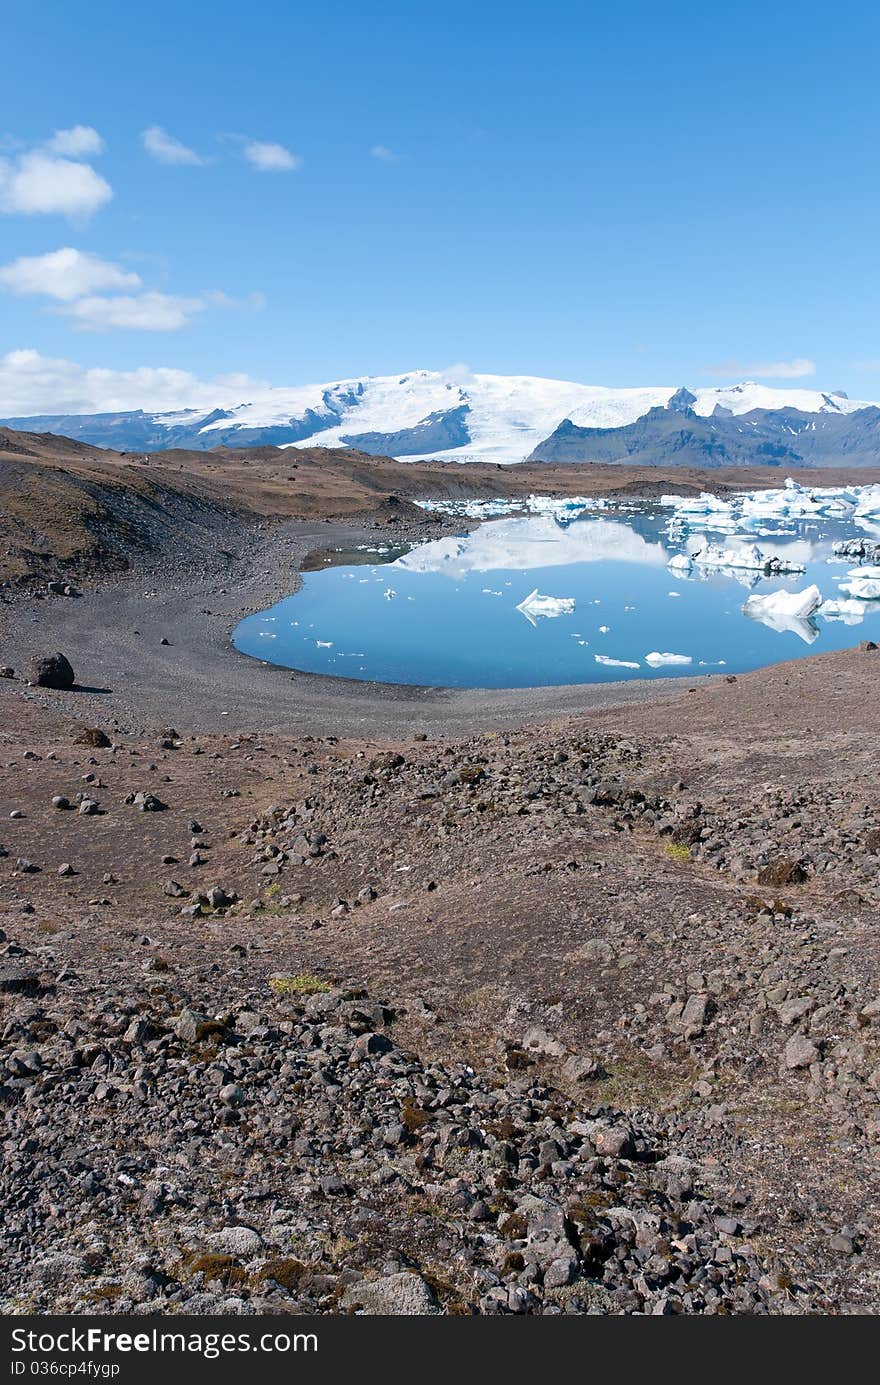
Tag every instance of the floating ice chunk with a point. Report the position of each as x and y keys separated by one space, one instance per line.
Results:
x=658 y=660
x=535 y=605
x=673 y=593
x=748 y=557
x=389 y=593
x=865 y=588
x=786 y=611
x=324 y=644
x=614 y=663
x=487 y=591
x=851 y=612
x=680 y=562
x=604 y=629
x=785 y=603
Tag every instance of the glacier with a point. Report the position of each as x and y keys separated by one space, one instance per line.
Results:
x=459 y=415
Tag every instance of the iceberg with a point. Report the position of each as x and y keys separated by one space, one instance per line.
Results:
x=658 y=660
x=749 y=558
x=535 y=605
x=851 y=612
x=787 y=612
x=863 y=583
x=680 y=562
x=614 y=663
x=756 y=509
x=865 y=588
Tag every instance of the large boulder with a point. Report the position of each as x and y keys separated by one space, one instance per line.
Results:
x=395 y=1295
x=52 y=671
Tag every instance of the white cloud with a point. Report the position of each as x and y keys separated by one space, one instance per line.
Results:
x=149 y=311
x=64 y=274
x=384 y=154
x=78 y=142
x=166 y=149
x=34 y=384
x=144 y=312
x=271 y=158
x=41 y=183
x=773 y=370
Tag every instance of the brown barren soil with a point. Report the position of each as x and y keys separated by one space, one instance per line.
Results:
x=650 y=910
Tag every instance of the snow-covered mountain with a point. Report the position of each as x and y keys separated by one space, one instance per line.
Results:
x=504 y=418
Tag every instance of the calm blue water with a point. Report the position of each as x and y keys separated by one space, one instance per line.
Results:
x=446 y=612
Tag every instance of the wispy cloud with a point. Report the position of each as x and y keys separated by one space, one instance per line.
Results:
x=269 y=157
x=39 y=182
x=143 y=312
x=88 y=292
x=167 y=149
x=384 y=154
x=796 y=369
x=79 y=142
x=64 y=274
x=31 y=383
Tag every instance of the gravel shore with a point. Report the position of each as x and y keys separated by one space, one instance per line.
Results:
x=113 y=635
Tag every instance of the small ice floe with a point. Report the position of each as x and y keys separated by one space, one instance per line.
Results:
x=680 y=562
x=489 y=591
x=863 y=583
x=786 y=611
x=614 y=663
x=850 y=612
x=604 y=629
x=673 y=593
x=535 y=605
x=747 y=557
x=389 y=593
x=658 y=660
x=324 y=644
x=713 y=663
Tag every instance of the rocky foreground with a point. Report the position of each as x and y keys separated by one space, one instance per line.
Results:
x=577 y=1020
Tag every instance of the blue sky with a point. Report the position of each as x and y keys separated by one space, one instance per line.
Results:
x=655 y=194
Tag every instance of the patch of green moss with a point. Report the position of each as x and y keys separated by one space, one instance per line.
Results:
x=303 y=983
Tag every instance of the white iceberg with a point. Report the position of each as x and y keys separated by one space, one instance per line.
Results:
x=863 y=583
x=851 y=612
x=680 y=562
x=389 y=594
x=787 y=612
x=658 y=660
x=755 y=510
x=748 y=557
x=614 y=663
x=535 y=605
x=865 y=588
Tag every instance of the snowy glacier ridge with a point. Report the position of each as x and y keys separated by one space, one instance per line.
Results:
x=457 y=415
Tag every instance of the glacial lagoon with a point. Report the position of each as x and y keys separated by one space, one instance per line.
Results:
x=586 y=591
